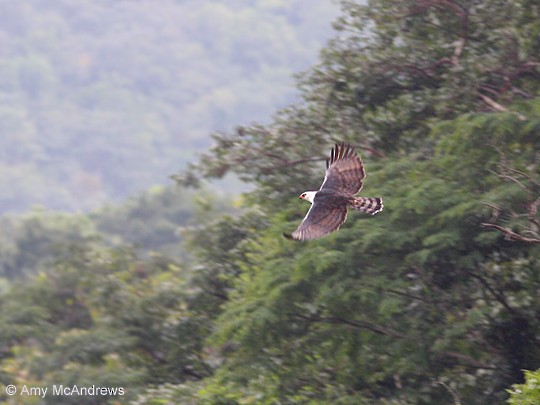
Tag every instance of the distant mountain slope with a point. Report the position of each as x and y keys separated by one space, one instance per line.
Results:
x=101 y=99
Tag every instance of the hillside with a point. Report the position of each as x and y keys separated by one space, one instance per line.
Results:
x=103 y=99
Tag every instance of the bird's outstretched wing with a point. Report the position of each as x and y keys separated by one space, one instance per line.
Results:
x=344 y=171
x=320 y=220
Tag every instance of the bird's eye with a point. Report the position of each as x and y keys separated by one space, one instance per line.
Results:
x=303 y=195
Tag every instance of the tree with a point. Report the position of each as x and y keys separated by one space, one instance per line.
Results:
x=31 y=242
x=101 y=318
x=421 y=304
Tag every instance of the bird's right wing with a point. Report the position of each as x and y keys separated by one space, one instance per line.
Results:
x=320 y=220
x=344 y=171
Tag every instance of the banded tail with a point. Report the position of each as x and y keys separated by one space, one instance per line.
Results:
x=368 y=205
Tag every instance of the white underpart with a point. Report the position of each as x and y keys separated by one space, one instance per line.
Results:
x=310 y=195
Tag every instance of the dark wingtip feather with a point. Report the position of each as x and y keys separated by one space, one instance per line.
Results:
x=352 y=151
x=340 y=151
x=288 y=236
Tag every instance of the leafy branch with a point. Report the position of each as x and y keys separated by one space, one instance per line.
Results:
x=349 y=322
x=529 y=219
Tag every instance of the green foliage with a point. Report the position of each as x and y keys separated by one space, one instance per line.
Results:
x=528 y=393
x=29 y=243
x=101 y=318
x=169 y=394
x=155 y=221
x=152 y=222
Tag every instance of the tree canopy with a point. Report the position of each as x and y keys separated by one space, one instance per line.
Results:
x=437 y=297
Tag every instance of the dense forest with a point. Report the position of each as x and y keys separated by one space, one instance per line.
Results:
x=196 y=297
x=103 y=99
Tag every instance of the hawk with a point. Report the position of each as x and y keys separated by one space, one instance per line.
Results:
x=344 y=175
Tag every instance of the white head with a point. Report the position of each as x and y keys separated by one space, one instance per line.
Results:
x=308 y=196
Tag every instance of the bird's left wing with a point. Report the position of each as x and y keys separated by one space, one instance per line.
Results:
x=320 y=220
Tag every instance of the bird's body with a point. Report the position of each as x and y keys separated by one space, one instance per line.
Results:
x=344 y=175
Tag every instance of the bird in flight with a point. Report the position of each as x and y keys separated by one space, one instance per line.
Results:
x=344 y=175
